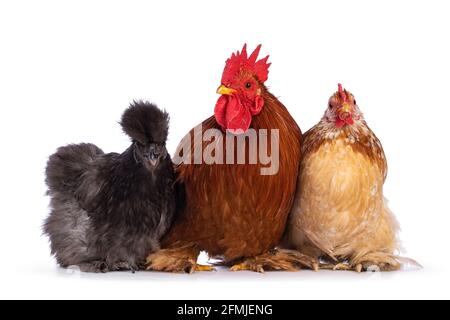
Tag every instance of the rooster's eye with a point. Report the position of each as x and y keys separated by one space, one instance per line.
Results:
x=248 y=85
x=330 y=106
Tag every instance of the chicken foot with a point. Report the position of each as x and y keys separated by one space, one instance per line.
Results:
x=375 y=261
x=177 y=260
x=101 y=266
x=277 y=260
x=98 y=266
x=342 y=266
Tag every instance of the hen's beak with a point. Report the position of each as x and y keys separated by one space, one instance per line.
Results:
x=225 y=90
x=345 y=111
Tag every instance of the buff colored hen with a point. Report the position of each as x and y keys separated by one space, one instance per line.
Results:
x=340 y=213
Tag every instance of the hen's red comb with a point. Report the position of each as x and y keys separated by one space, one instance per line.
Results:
x=342 y=93
x=239 y=61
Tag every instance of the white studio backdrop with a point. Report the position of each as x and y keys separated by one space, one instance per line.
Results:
x=68 y=69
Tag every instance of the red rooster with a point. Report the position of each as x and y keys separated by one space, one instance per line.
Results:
x=233 y=211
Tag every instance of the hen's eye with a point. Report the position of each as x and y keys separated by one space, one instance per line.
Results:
x=330 y=106
x=354 y=101
x=248 y=85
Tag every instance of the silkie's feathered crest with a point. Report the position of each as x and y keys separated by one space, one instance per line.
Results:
x=239 y=62
x=342 y=93
x=145 y=122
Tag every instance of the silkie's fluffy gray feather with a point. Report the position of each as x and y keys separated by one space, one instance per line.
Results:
x=109 y=211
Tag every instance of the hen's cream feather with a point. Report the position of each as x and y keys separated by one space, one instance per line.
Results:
x=340 y=210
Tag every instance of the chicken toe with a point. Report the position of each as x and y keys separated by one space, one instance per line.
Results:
x=201 y=267
x=178 y=260
x=94 y=267
x=341 y=266
x=277 y=260
x=377 y=261
x=123 y=266
x=248 y=265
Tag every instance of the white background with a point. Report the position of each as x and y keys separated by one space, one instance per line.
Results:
x=69 y=68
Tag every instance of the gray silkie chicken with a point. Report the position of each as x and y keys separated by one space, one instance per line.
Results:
x=108 y=211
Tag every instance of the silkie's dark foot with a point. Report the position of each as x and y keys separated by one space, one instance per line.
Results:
x=178 y=260
x=123 y=266
x=94 y=267
x=278 y=260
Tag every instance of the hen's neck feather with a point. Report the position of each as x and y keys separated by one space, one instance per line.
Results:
x=358 y=136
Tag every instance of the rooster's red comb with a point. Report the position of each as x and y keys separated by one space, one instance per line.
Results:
x=342 y=93
x=239 y=61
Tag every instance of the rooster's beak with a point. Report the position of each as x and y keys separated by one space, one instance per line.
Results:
x=225 y=90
